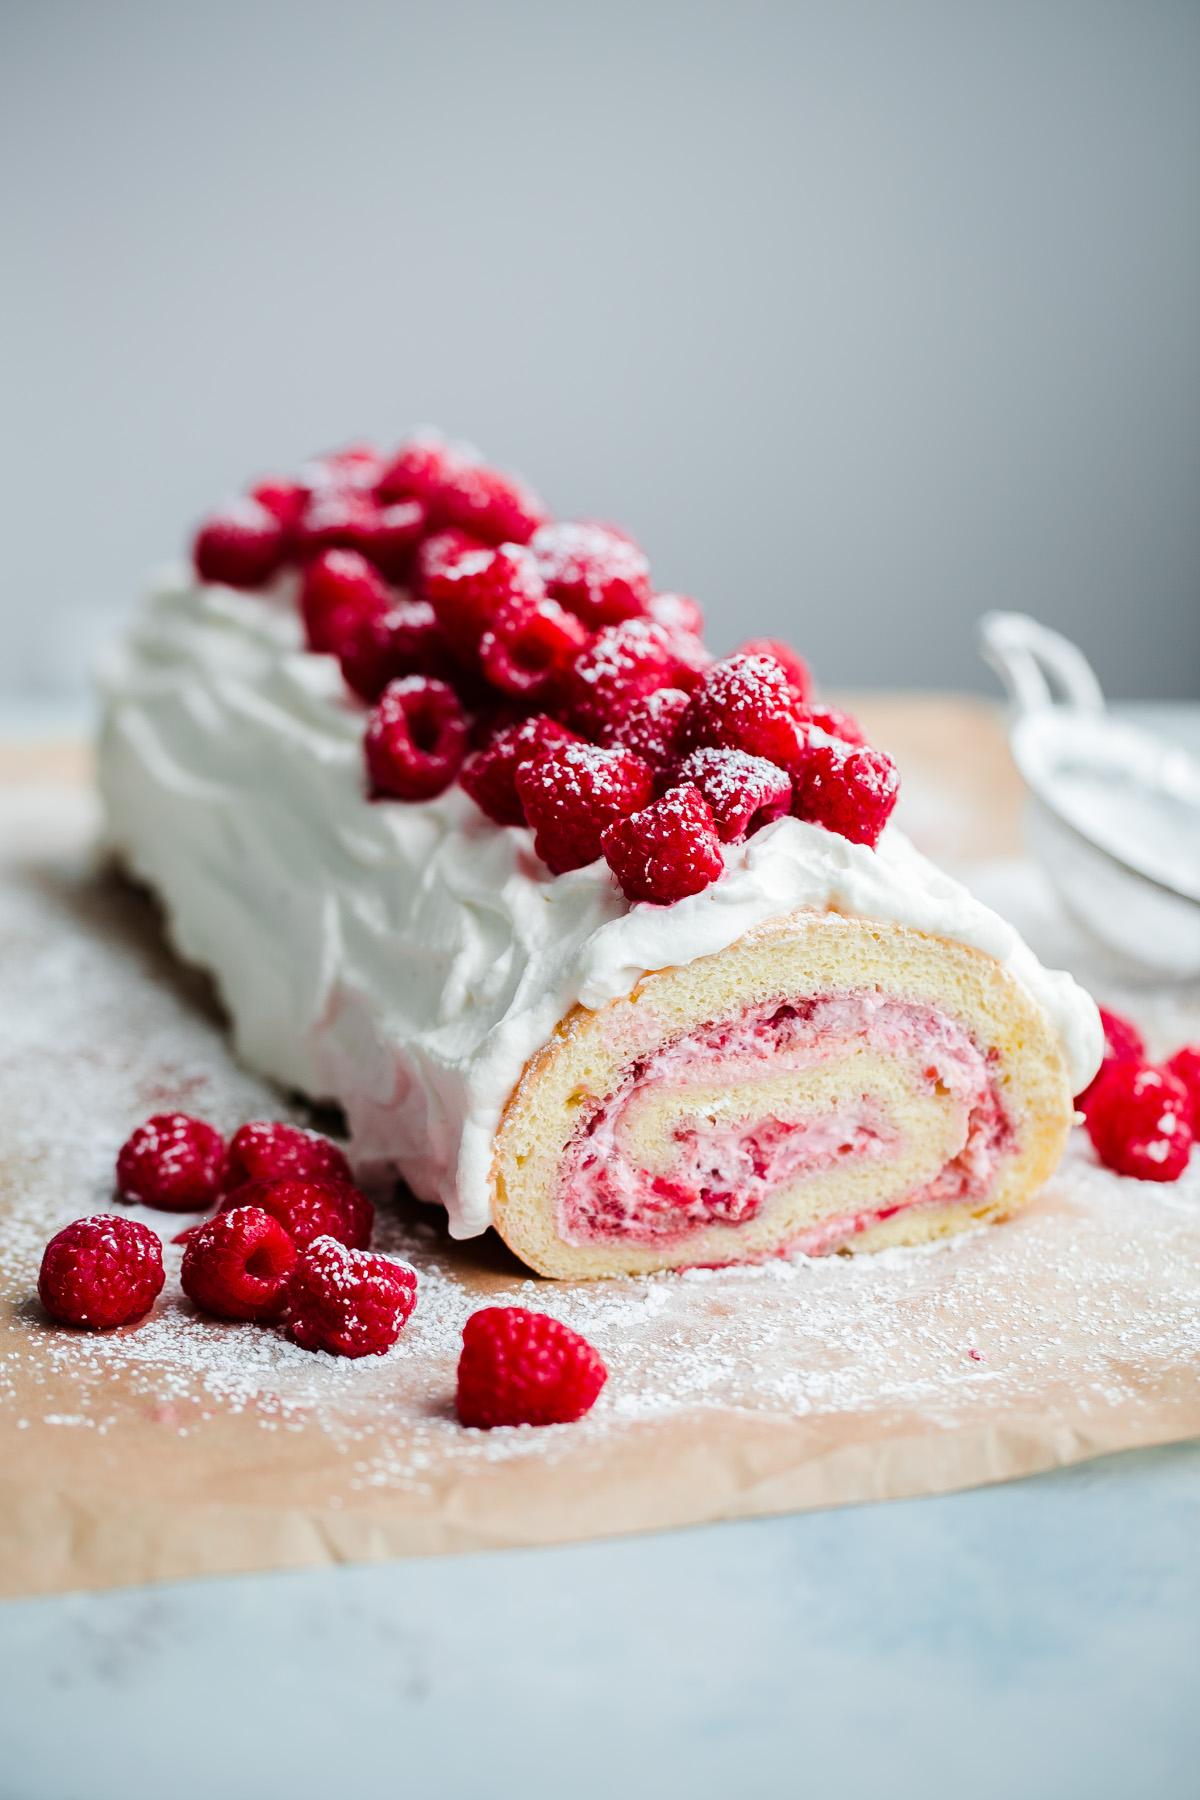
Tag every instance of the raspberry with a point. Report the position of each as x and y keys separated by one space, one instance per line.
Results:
x=1185 y=1067
x=650 y=728
x=358 y=465
x=789 y=660
x=1141 y=1122
x=571 y=795
x=269 y=1150
x=744 y=792
x=347 y=1302
x=341 y=589
x=440 y=559
x=381 y=647
x=667 y=851
x=1123 y=1043
x=173 y=1162
x=745 y=703
x=416 y=739
x=422 y=466
x=594 y=571
x=498 y=508
x=528 y=646
x=351 y=519
x=237 y=1265
x=309 y=1208
x=524 y=1368
x=242 y=545
x=677 y=613
x=839 y=725
x=101 y=1272
x=474 y=588
x=848 y=791
x=491 y=778
x=621 y=664
x=283 y=497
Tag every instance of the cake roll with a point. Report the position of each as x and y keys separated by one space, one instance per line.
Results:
x=831 y=1046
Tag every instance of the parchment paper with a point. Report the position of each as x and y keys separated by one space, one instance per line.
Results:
x=184 y=1446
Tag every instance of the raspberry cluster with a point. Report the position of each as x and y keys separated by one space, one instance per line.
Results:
x=532 y=660
x=289 y=1244
x=1142 y=1117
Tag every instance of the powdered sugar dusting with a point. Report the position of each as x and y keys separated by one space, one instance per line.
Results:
x=1089 y=1301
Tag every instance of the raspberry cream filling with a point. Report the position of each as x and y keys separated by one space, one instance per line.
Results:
x=786 y=1103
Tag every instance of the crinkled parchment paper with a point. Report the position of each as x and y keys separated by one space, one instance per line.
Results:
x=184 y=1446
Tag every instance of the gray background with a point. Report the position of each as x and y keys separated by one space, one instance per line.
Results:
x=864 y=317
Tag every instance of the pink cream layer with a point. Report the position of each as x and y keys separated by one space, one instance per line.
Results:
x=725 y=1174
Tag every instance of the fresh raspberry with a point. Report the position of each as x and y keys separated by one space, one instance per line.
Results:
x=271 y=1150
x=309 y=1208
x=423 y=465
x=693 y=660
x=839 y=724
x=746 y=703
x=241 y=546
x=283 y=497
x=381 y=647
x=789 y=660
x=101 y=1272
x=237 y=1265
x=491 y=778
x=173 y=1162
x=621 y=664
x=1185 y=1067
x=848 y=791
x=496 y=715
x=472 y=589
x=677 y=613
x=498 y=508
x=594 y=571
x=357 y=466
x=347 y=1302
x=341 y=589
x=744 y=792
x=525 y=1368
x=667 y=851
x=650 y=728
x=570 y=795
x=1141 y=1122
x=352 y=519
x=1123 y=1043
x=415 y=740
x=440 y=561
x=528 y=646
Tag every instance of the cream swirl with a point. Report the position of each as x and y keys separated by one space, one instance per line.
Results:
x=407 y=960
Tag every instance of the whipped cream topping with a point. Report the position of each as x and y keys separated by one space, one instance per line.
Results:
x=407 y=960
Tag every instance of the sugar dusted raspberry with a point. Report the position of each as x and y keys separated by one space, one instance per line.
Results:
x=667 y=851
x=839 y=725
x=789 y=660
x=477 y=588
x=1123 y=1043
x=650 y=727
x=283 y=497
x=381 y=647
x=241 y=546
x=1141 y=1122
x=846 y=790
x=172 y=1162
x=745 y=703
x=1185 y=1067
x=352 y=519
x=101 y=1272
x=415 y=740
x=525 y=1368
x=571 y=794
x=423 y=465
x=309 y=1208
x=744 y=792
x=620 y=665
x=491 y=778
x=442 y=559
x=528 y=646
x=677 y=613
x=237 y=1265
x=341 y=589
x=347 y=1302
x=595 y=572
x=271 y=1150
x=498 y=508
x=357 y=465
